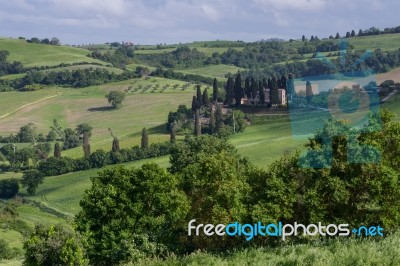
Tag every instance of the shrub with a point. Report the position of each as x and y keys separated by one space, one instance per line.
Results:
x=9 y=188
x=56 y=245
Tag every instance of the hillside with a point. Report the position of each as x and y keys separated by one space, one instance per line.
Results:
x=148 y=101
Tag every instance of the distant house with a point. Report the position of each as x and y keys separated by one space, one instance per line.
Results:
x=256 y=100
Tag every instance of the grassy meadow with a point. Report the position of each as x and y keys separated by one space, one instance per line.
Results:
x=30 y=54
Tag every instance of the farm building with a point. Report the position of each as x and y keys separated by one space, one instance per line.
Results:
x=282 y=97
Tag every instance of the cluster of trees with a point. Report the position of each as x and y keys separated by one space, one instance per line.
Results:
x=251 y=88
x=118 y=58
x=170 y=74
x=207 y=180
x=205 y=116
x=100 y=158
x=52 y=41
x=183 y=57
x=7 y=68
x=72 y=78
x=352 y=62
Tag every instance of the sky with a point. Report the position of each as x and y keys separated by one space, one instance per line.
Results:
x=181 y=21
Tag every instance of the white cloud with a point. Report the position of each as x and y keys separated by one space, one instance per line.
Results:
x=291 y=4
x=210 y=12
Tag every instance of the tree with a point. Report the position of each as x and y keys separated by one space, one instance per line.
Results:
x=309 y=92
x=115 y=145
x=172 y=136
x=274 y=92
x=86 y=145
x=211 y=122
x=27 y=133
x=125 y=214
x=348 y=34
x=303 y=38
x=353 y=33
x=57 y=150
x=219 y=119
x=145 y=139
x=199 y=97
x=71 y=139
x=194 y=103
x=230 y=91
x=54 y=41
x=115 y=98
x=197 y=124
x=261 y=92
x=337 y=36
x=360 y=33
x=8 y=188
x=56 y=245
x=31 y=180
x=247 y=87
x=253 y=88
x=238 y=90
x=83 y=128
x=215 y=90
x=205 y=99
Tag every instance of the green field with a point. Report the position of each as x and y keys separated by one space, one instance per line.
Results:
x=30 y=54
x=63 y=193
x=213 y=71
x=71 y=107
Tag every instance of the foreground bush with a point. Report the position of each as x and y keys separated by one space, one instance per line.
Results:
x=56 y=245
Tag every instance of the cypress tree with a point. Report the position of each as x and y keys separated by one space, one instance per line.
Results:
x=211 y=123
x=219 y=119
x=57 y=150
x=230 y=93
x=199 y=97
x=290 y=86
x=309 y=92
x=274 y=92
x=353 y=33
x=172 y=137
x=238 y=89
x=115 y=145
x=215 y=90
x=145 y=139
x=303 y=38
x=86 y=145
x=261 y=95
x=348 y=35
x=337 y=36
x=247 y=87
x=205 y=100
x=197 y=125
x=360 y=32
x=253 y=88
x=194 y=103
x=283 y=82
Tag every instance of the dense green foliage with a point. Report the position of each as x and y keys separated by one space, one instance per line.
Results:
x=56 y=245
x=217 y=186
x=115 y=98
x=9 y=188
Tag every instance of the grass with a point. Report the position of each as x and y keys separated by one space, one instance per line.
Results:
x=74 y=106
x=213 y=71
x=339 y=251
x=64 y=192
x=263 y=144
x=30 y=54
x=385 y=42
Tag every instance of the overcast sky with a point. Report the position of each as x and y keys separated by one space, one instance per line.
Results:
x=174 y=21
